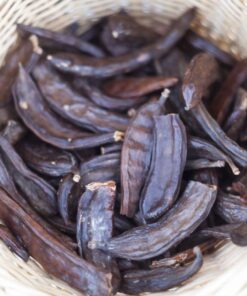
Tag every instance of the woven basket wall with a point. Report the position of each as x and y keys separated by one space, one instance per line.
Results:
x=224 y=22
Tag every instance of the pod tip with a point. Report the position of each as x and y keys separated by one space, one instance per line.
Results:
x=118 y=136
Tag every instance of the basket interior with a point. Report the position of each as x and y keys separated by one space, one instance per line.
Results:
x=224 y=22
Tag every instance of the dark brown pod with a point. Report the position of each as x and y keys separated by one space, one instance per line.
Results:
x=231 y=208
x=165 y=172
x=40 y=194
x=8 y=185
x=235 y=122
x=203 y=163
x=201 y=148
x=60 y=41
x=189 y=212
x=161 y=278
x=136 y=154
x=103 y=100
x=221 y=103
x=240 y=185
x=95 y=225
x=68 y=195
x=207 y=176
x=107 y=67
x=69 y=228
x=122 y=34
x=177 y=103
x=14 y=131
x=46 y=125
x=201 y=73
x=173 y=64
x=212 y=130
x=127 y=265
x=46 y=159
x=20 y=54
x=137 y=86
x=101 y=169
x=111 y=148
x=73 y=107
x=7 y=113
x=12 y=243
x=51 y=254
x=93 y=32
x=183 y=257
x=205 y=45
x=236 y=232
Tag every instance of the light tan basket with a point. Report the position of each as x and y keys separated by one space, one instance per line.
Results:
x=222 y=21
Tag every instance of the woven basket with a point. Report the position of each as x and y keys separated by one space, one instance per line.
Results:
x=224 y=22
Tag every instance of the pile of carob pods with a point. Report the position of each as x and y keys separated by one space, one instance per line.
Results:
x=122 y=152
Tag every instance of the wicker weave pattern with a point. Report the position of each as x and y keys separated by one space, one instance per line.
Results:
x=222 y=21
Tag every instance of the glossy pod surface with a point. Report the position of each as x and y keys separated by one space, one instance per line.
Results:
x=151 y=240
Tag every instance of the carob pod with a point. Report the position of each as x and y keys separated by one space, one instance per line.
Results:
x=231 y=208
x=101 y=169
x=8 y=185
x=39 y=193
x=69 y=228
x=205 y=45
x=12 y=243
x=198 y=147
x=177 y=102
x=136 y=154
x=185 y=256
x=236 y=232
x=95 y=225
x=14 y=131
x=46 y=159
x=240 y=186
x=73 y=107
x=127 y=265
x=107 y=67
x=51 y=254
x=165 y=172
x=20 y=54
x=7 y=113
x=206 y=176
x=235 y=122
x=128 y=87
x=221 y=103
x=111 y=148
x=121 y=34
x=213 y=131
x=161 y=278
x=46 y=125
x=93 y=32
x=174 y=64
x=151 y=240
x=121 y=224
x=60 y=41
x=68 y=195
x=103 y=100
x=203 y=163
x=201 y=73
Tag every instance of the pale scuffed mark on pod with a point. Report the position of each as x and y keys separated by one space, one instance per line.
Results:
x=35 y=42
x=95 y=185
x=23 y=105
x=76 y=178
